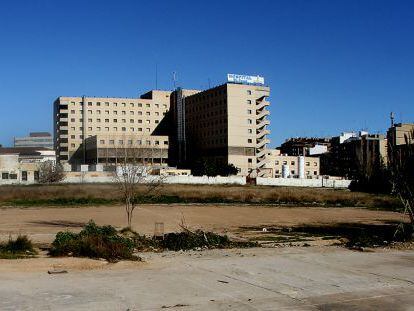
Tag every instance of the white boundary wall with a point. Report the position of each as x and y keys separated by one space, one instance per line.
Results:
x=296 y=182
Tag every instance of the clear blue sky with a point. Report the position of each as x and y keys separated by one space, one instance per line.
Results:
x=332 y=65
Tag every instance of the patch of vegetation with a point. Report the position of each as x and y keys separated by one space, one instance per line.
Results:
x=352 y=234
x=187 y=240
x=60 y=201
x=21 y=247
x=94 y=242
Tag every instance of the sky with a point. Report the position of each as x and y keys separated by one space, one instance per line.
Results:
x=332 y=65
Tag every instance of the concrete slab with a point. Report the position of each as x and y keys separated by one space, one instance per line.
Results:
x=250 y=279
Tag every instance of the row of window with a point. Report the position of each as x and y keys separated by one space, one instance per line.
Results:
x=116 y=121
x=293 y=172
x=294 y=163
x=115 y=128
x=123 y=112
x=131 y=142
x=13 y=176
x=132 y=105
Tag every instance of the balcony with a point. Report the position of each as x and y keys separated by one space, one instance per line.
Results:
x=262 y=104
x=260 y=134
x=262 y=114
x=262 y=123
x=262 y=142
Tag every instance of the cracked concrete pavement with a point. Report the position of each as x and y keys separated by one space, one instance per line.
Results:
x=316 y=278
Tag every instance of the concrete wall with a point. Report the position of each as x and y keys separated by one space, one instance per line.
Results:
x=295 y=182
x=102 y=177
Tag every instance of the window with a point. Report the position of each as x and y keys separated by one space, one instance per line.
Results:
x=139 y=105
x=106 y=120
x=13 y=176
x=284 y=162
x=121 y=142
x=129 y=142
x=72 y=136
x=157 y=143
x=139 y=142
x=249 y=121
x=148 y=130
x=106 y=104
x=98 y=120
x=123 y=105
x=4 y=175
x=249 y=160
x=123 y=120
x=315 y=173
x=72 y=145
x=131 y=104
x=115 y=129
x=250 y=131
x=89 y=103
x=148 y=121
x=139 y=121
x=98 y=111
x=292 y=172
x=36 y=175
x=89 y=128
x=89 y=120
x=315 y=164
x=123 y=129
x=131 y=113
x=249 y=111
x=249 y=102
x=115 y=112
x=148 y=142
x=249 y=141
x=123 y=113
x=157 y=121
x=147 y=105
x=157 y=113
x=131 y=120
x=166 y=142
x=107 y=129
x=140 y=113
x=156 y=105
x=72 y=120
x=98 y=104
x=98 y=128
x=307 y=163
x=292 y=162
x=115 y=120
x=148 y=113
x=277 y=162
x=106 y=111
x=115 y=104
x=111 y=142
x=72 y=111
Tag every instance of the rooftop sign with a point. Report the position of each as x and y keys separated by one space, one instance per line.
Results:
x=231 y=77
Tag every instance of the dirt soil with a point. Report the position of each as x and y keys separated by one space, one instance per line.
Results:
x=41 y=223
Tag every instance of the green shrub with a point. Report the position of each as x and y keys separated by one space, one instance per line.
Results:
x=21 y=247
x=94 y=242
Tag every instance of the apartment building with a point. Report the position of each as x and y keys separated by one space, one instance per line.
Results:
x=287 y=166
x=354 y=153
x=35 y=139
x=112 y=124
x=302 y=146
x=398 y=135
x=227 y=124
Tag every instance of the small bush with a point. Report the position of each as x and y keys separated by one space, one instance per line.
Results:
x=94 y=242
x=187 y=240
x=21 y=247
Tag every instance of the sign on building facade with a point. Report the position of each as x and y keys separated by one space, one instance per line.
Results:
x=235 y=78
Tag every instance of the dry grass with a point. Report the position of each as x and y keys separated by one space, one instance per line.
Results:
x=207 y=193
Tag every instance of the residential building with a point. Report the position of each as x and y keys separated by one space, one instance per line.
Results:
x=286 y=166
x=304 y=146
x=226 y=124
x=115 y=123
x=398 y=135
x=35 y=139
x=354 y=153
x=21 y=165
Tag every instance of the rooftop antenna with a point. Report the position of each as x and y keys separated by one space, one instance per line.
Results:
x=174 y=74
x=156 y=76
x=392 y=117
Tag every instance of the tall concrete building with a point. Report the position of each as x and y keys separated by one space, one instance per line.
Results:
x=226 y=124
x=35 y=139
x=111 y=125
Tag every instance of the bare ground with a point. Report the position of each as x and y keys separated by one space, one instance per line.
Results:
x=41 y=223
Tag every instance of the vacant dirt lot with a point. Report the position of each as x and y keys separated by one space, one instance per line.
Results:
x=41 y=224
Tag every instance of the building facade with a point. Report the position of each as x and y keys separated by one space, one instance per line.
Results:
x=35 y=139
x=116 y=124
x=227 y=124
x=304 y=146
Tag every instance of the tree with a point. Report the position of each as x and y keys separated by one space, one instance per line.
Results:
x=210 y=167
x=133 y=173
x=50 y=172
x=402 y=173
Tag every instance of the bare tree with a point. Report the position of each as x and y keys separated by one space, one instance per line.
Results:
x=401 y=163
x=134 y=179
x=50 y=172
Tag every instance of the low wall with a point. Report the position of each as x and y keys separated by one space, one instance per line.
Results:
x=102 y=177
x=296 y=182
